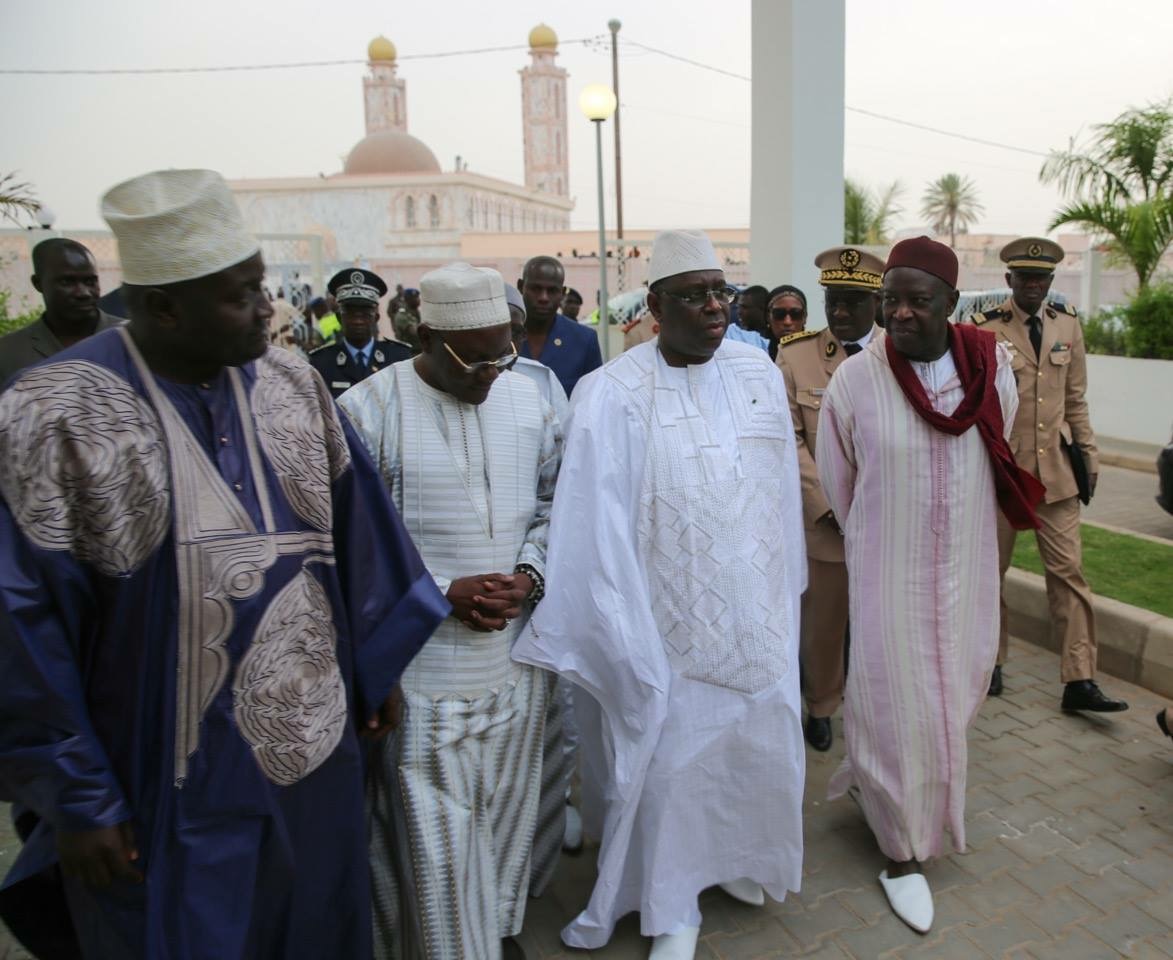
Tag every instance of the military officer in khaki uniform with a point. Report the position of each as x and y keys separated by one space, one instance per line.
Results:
x=851 y=282
x=1050 y=363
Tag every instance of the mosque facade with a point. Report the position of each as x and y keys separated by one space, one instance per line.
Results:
x=393 y=202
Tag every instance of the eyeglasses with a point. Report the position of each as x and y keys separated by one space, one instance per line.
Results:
x=698 y=298
x=472 y=369
x=781 y=313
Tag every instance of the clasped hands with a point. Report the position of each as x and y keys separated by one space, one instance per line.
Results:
x=488 y=601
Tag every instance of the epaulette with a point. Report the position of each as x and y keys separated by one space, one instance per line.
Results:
x=986 y=316
x=1066 y=308
x=323 y=347
x=795 y=337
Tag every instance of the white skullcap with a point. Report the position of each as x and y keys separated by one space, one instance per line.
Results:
x=681 y=251
x=175 y=225
x=463 y=297
x=514 y=298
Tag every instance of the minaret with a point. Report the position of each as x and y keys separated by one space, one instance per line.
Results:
x=384 y=94
x=543 y=116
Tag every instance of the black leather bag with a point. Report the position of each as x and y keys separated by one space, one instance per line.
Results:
x=1079 y=467
x=1165 y=476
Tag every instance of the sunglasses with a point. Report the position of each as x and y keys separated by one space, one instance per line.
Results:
x=781 y=313
x=501 y=363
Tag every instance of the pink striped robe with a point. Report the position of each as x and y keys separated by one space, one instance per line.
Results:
x=919 y=516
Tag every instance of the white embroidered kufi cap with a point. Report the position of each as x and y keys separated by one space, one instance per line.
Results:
x=175 y=225
x=681 y=251
x=463 y=297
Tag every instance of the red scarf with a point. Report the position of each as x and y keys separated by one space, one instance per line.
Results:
x=974 y=356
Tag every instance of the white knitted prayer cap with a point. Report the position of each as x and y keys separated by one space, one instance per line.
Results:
x=681 y=251
x=175 y=225
x=460 y=296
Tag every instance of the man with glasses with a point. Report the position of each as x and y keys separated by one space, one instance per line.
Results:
x=359 y=352
x=470 y=453
x=675 y=609
x=850 y=279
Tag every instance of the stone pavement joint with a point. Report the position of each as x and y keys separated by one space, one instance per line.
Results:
x=1070 y=826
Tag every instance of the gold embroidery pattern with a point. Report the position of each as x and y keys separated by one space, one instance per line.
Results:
x=289 y=700
x=293 y=413
x=85 y=466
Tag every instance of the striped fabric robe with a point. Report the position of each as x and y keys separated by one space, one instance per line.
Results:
x=455 y=794
x=919 y=517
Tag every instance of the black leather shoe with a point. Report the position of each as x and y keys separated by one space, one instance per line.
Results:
x=511 y=950
x=1086 y=695
x=818 y=733
x=1163 y=722
x=996 y=681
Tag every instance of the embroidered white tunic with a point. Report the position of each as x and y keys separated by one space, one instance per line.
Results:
x=672 y=594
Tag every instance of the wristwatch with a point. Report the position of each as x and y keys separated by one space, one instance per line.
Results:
x=539 y=590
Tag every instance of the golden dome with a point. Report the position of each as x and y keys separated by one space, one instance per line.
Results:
x=542 y=37
x=390 y=151
x=381 y=49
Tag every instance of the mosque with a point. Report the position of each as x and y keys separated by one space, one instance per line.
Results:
x=392 y=202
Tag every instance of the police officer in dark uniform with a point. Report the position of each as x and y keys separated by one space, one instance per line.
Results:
x=358 y=352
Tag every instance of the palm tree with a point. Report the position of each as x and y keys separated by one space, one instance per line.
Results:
x=867 y=216
x=15 y=198
x=1121 y=185
x=951 y=204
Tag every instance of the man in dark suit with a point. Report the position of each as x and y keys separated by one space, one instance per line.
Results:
x=66 y=277
x=569 y=349
x=358 y=352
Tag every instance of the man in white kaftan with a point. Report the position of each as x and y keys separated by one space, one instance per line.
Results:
x=918 y=510
x=676 y=609
x=472 y=470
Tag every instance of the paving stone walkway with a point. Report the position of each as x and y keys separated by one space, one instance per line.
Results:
x=1070 y=823
x=1070 y=827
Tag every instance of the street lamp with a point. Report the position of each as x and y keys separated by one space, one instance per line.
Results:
x=44 y=216
x=597 y=103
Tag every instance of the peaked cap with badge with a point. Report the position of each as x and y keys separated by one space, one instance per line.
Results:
x=1035 y=254
x=851 y=268
x=356 y=285
x=339 y=367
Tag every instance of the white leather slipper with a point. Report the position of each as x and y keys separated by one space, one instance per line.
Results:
x=910 y=898
x=680 y=944
x=746 y=891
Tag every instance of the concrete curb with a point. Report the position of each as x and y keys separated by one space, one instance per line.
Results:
x=1134 y=644
x=1128 y=461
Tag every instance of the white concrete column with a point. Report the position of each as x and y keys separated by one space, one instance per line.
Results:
x=796 y=186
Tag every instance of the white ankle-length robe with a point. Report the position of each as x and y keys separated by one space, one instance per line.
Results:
x=919 y=517
x=673 y=578
x=454 y=793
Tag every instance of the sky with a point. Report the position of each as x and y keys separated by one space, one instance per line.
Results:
x=1031 y=76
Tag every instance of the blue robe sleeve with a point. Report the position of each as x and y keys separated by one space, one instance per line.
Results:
x=393 y=604
x=51 y=760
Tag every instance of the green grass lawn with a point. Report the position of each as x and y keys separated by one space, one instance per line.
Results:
x=1129 y=569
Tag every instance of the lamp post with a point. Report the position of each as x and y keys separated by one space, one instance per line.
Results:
x=613 y=26
x=597 y=103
